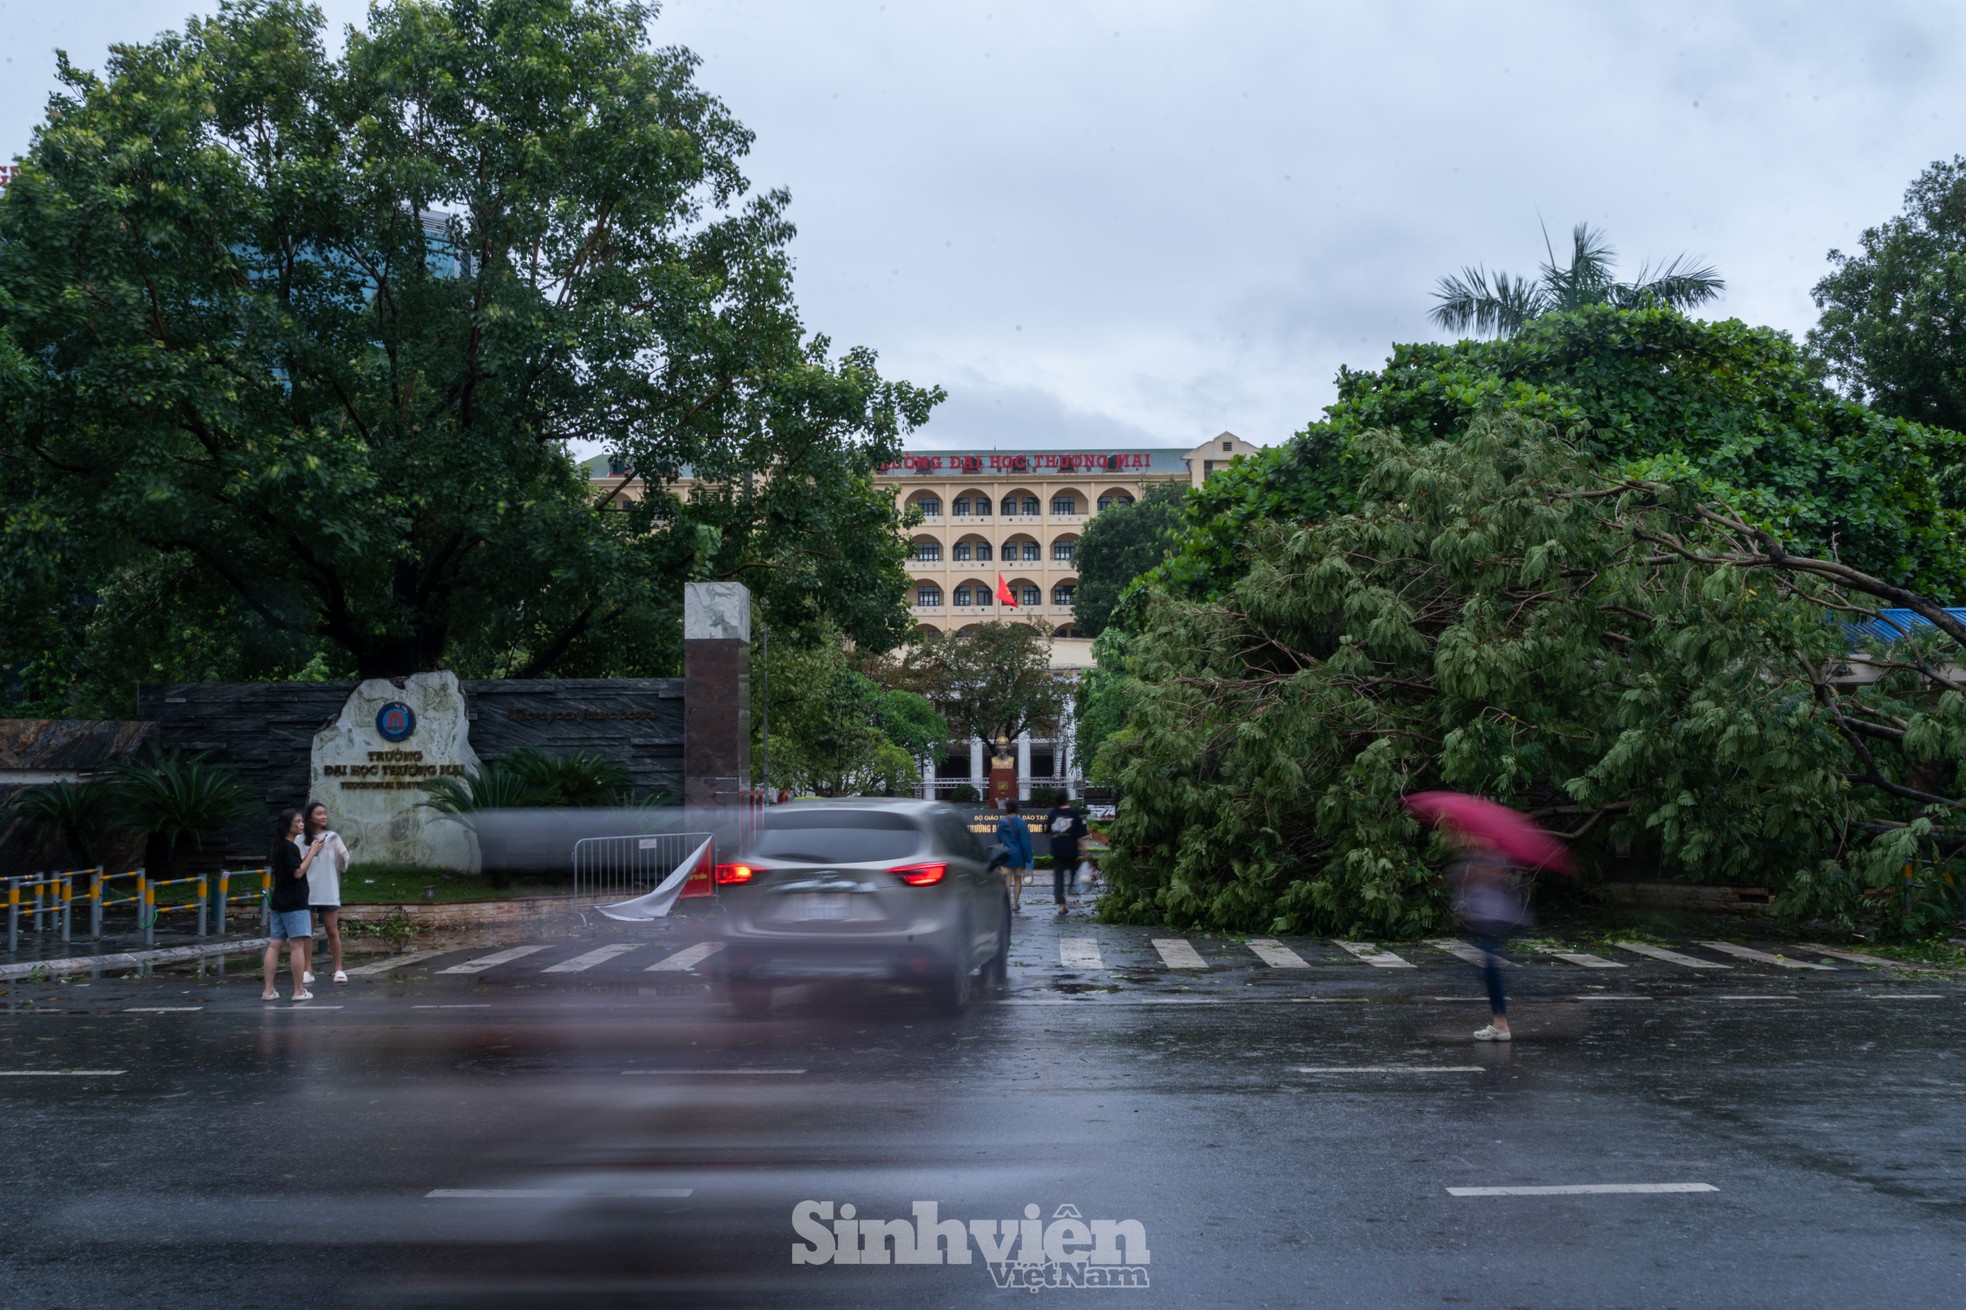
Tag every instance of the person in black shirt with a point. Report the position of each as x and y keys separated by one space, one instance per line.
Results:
x=1066 y=826
x=291 y=922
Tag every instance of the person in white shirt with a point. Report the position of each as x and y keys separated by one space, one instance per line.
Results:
x=324 y=881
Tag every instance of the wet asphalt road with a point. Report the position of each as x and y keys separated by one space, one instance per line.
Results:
x=610 y=1137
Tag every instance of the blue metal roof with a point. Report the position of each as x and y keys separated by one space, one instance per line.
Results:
x=1891 y=624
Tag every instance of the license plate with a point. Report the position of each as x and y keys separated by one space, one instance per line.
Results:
x=823 y=906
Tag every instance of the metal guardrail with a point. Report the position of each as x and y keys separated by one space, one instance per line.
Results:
x=47 y=900
x=610 y=869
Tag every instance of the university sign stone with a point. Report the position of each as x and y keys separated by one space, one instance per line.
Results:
x=372 y=764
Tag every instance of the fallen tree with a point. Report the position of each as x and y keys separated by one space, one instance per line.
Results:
x=1630 y=661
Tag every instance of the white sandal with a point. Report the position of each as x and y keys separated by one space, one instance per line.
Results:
x=1493 y=1034
x=303 y=996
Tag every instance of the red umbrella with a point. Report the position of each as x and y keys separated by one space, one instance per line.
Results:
x=1498 y=827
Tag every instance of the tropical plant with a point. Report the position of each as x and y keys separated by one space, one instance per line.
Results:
x=1497 y=304
x=77 y=814
x=175 y=800
x=586 y=778
x=1639 y=667
x=490 y=786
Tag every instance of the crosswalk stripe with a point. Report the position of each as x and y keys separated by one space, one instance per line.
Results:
x=1177 y=954
x=1858 y=957
x=581 y=963
x=485 y=962
x=396 y=962
x=1582 y=959
x=1080 y=953
x=1749 y=953
x=1670 y=957
x=1375 y=957
x=687 y=958
x=1276 y=954
x=1465 y=950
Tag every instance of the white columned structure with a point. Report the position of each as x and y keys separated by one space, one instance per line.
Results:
x=977 y=778
x=928 y=778
x=1024 y=766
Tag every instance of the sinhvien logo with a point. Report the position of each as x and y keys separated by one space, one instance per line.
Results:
x=1028 y=1254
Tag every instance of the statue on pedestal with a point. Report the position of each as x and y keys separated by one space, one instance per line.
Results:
x=1003 y=774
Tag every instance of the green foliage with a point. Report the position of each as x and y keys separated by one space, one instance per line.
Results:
x=1119 y=545
x=293 y=344
x=835 y=731
x=1731 y=410
x=78 y=814
x=993 y=682
x=585 y=778
x=1887 y=331
x=963 y=794
x=1493 y=617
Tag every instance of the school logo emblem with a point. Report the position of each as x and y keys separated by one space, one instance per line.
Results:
x=395 y=721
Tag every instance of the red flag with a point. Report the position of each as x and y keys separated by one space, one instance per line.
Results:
x=1004 y=592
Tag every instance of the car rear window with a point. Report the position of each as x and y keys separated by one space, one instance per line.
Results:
x=838 y=837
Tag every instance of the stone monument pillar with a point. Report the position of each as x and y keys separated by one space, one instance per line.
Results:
x=716 y=693
x=370 y=767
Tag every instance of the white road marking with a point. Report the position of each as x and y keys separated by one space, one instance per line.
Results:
x=1276 y=954
x=551 y=1193
x=305 y=1005
x=1464 y=950
x=1763 y=957
x=1586 y=1189
x=1177 y=954
x=396 y=962
x=582 y=962
x=1622 y=996
x=475 y=1005
x=1080 y=953
x=1583 y=959
x=687 y=958
x=1670 y=957
x=1394 y=1068
x=657 y=1073
x=493 y=960
x=1373 y=956
x=1903 y=996
x=62 y=1073
x=162 y=1009
x=1756 y=997
x=1858 y=957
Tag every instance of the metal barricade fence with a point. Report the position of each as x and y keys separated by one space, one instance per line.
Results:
x=609 y=869
x=47 y=900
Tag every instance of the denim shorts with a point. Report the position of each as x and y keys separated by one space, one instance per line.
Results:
x=291 y=923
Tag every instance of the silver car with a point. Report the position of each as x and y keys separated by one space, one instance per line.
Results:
x=898 y=891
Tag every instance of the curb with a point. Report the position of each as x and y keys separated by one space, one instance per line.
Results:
x=129 y=959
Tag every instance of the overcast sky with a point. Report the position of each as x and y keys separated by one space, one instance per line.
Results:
x=1140 y=222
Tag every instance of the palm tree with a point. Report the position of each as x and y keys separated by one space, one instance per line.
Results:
x=1501 y=305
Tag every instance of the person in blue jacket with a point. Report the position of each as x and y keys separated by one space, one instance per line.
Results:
x=1015 y=838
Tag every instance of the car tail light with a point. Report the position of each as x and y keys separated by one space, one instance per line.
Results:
x=730 y=873
x=920 y=875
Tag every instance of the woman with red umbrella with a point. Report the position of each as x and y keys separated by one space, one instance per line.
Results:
x=1489 y=896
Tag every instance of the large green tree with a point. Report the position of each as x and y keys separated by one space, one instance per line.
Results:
x=293 y=347
x=1731 y=408
x=1634 y=664
x=1119 y=545
x=1893 y=327
x=836 y=731
x=993 y=681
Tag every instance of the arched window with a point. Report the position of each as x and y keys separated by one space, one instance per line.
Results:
x=983 y=551
x=961 y=550
x=982 y=504
x=1065 y=503
x=930 y=506
x=1062 y=594
x=928 y=596
x=1031 y=595
x=1030 y=551
x=961 y=507
x=1112 y=498
x=1065 y=549
x=927 y=552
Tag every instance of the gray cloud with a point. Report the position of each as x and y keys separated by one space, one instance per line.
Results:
x=1159 y=218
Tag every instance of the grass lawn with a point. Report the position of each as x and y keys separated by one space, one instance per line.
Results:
x=372 y=884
